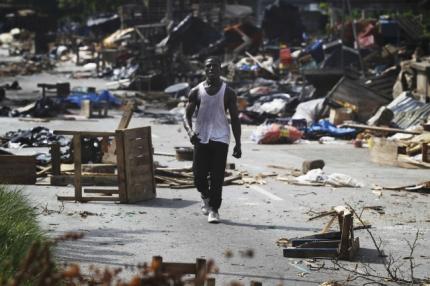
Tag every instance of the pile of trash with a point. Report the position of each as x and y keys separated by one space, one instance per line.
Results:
x=43 y=137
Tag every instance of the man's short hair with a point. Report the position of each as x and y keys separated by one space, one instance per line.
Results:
x=214 y=59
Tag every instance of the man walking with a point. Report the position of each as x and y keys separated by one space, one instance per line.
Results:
x=211 y=136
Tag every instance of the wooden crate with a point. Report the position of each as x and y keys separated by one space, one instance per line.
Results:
x=17 y=169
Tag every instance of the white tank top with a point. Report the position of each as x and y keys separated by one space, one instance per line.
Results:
x=212 y=123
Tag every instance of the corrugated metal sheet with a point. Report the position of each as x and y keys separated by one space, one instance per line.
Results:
x=409 y=111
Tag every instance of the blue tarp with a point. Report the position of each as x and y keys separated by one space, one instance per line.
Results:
x=76 y=98
x=324 y=127
x=316 y=50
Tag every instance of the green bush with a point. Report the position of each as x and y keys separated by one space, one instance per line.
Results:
x=18 y=230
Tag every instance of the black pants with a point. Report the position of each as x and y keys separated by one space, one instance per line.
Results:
x=209 y=167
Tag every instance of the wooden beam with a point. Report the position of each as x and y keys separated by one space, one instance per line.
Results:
x=101 y=191
x=382 y=129
x=126 y=116
x=201 y=271
x=178 y=268
x=88 y=199
x=84 y=133
x=300 y=241
x=55 y=158
x=77 y=154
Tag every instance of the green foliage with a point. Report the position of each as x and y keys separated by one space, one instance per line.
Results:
x=324 y=6
x=18 y=230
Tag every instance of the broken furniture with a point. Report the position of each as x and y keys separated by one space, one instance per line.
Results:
x=134 y=163
x=59 y=89
x=132 y=149
x=339 y=244
x=396 y=153
x=176 y=270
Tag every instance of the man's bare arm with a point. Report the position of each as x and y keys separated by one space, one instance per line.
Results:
x=189 y=111
x=235 y=121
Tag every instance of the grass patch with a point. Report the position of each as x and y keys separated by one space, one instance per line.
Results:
x=18 y=230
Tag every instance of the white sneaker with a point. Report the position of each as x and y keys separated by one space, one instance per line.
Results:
x=213 y=217
x=205 y=206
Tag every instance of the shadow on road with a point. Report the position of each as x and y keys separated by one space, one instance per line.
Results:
x=268 y=226
x=174 y=203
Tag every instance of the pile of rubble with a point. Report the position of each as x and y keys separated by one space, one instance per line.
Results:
x=295 y=79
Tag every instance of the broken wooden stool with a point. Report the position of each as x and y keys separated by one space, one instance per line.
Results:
x=339 y=244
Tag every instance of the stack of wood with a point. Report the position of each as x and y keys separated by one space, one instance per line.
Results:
x=183 y=178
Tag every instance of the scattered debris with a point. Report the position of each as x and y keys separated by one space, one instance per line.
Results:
x=317 y=177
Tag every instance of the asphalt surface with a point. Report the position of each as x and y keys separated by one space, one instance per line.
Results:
x=253 y=217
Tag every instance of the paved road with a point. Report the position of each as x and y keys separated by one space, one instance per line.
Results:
x=253 y=218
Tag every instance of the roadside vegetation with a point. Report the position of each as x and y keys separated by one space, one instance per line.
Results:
x=18 y=231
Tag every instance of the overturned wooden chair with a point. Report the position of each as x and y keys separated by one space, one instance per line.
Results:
x=135 y=172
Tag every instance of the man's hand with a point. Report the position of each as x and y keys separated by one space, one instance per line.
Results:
x=237 y=151
x=193 y=138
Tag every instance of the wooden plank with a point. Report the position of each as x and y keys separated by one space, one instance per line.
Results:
x=164 y=154
x=18 y=169
x=200 y=271
x=345 y=236
x=120 y=157
x=139 y=160
x=101 y=191
x=328 y=225
x=141 y=170
x=142 y=187
x=84 y=133
x=18 y=159
x=382 y=129
x=55 y=158
x=144 y=182
x=126 y=116
x=293 y=252
x=43 y=172
x=77 y=154
x=320 y=244
x=88 y=199
x=301 y=241
x=99 y=168
x=138 y=132
x=210 y=281
x=178 y=268
x=328 y=235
